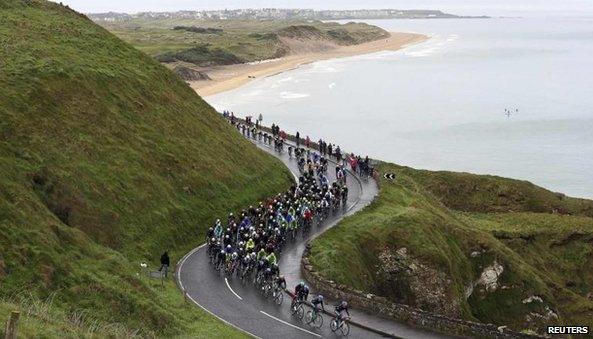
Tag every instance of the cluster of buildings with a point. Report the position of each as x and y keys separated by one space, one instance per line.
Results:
x=278 y=14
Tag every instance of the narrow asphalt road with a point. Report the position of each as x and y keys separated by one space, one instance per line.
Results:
x=243 y=307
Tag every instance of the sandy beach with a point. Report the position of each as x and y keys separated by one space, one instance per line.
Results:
x=225 y=78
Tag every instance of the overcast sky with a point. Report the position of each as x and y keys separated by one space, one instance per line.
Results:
x=464 y=7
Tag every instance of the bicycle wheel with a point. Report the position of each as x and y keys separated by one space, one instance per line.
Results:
x=333 y=325
x=279 y=297
x=300 y=312
x=318 y=321
x=309 y=318
x=267 y=290
x=293 y=308
x=345 y=328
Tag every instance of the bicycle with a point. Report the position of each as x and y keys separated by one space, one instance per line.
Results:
x=267 y=289
x=296 y=309
x=278 y=295
x=340 y=324
x=314 y=318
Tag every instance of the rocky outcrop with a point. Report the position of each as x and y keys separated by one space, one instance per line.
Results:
x=414 y=316
x=488 y=278
x=423 y=286
x=189 y=74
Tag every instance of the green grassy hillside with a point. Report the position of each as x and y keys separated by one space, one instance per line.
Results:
x=479 y=247
x=107 y=159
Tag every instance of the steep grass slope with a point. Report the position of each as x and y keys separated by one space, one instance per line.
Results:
x=108 y=159
x=478 y=247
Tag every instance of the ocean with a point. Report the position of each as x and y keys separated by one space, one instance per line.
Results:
x=442 y=104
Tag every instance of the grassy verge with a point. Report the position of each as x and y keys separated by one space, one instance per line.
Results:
x=107 y=160
x=435 y=239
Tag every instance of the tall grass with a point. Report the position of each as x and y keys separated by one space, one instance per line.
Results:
x=80 y=323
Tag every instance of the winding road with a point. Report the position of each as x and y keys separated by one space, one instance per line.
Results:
x=244 y=308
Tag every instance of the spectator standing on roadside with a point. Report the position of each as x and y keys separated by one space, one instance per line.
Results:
x=165 y=262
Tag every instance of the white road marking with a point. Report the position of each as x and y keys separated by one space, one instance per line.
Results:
x=180 y=265
x=291 y=325
x=229 y=286
x=224 y=321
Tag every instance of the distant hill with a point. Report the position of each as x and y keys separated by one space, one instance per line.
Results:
x=107 y=160
x=205 y=43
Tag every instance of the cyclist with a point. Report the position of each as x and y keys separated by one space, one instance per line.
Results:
x=340 y=309
x=301 y=292
x=261 y=254
x=221 y=259
x=272 y=259
x=218 y=229
x=281 y=282
x=250 y=245
x=307 y=217
x=318 y=300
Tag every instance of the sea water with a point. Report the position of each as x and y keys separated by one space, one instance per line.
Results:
x=504 y=96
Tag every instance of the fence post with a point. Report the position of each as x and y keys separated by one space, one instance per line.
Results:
x=12 y=326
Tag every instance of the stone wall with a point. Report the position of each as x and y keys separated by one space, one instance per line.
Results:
x=410 y=315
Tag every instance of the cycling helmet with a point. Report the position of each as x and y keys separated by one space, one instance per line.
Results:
x=235 y=255
x=217 y=221
x=211 y=229
x=268 y=270
x=227 y=236
x=241 y=244
x=230 y=214
x=302 y=284
x=344 y=304
x=222 y=252
x=213 y=240
x=228 y=247
x=320 y=297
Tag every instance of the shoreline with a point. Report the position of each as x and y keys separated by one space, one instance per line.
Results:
x=225 y=78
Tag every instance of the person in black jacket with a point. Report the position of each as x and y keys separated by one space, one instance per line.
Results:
x=165 y=262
